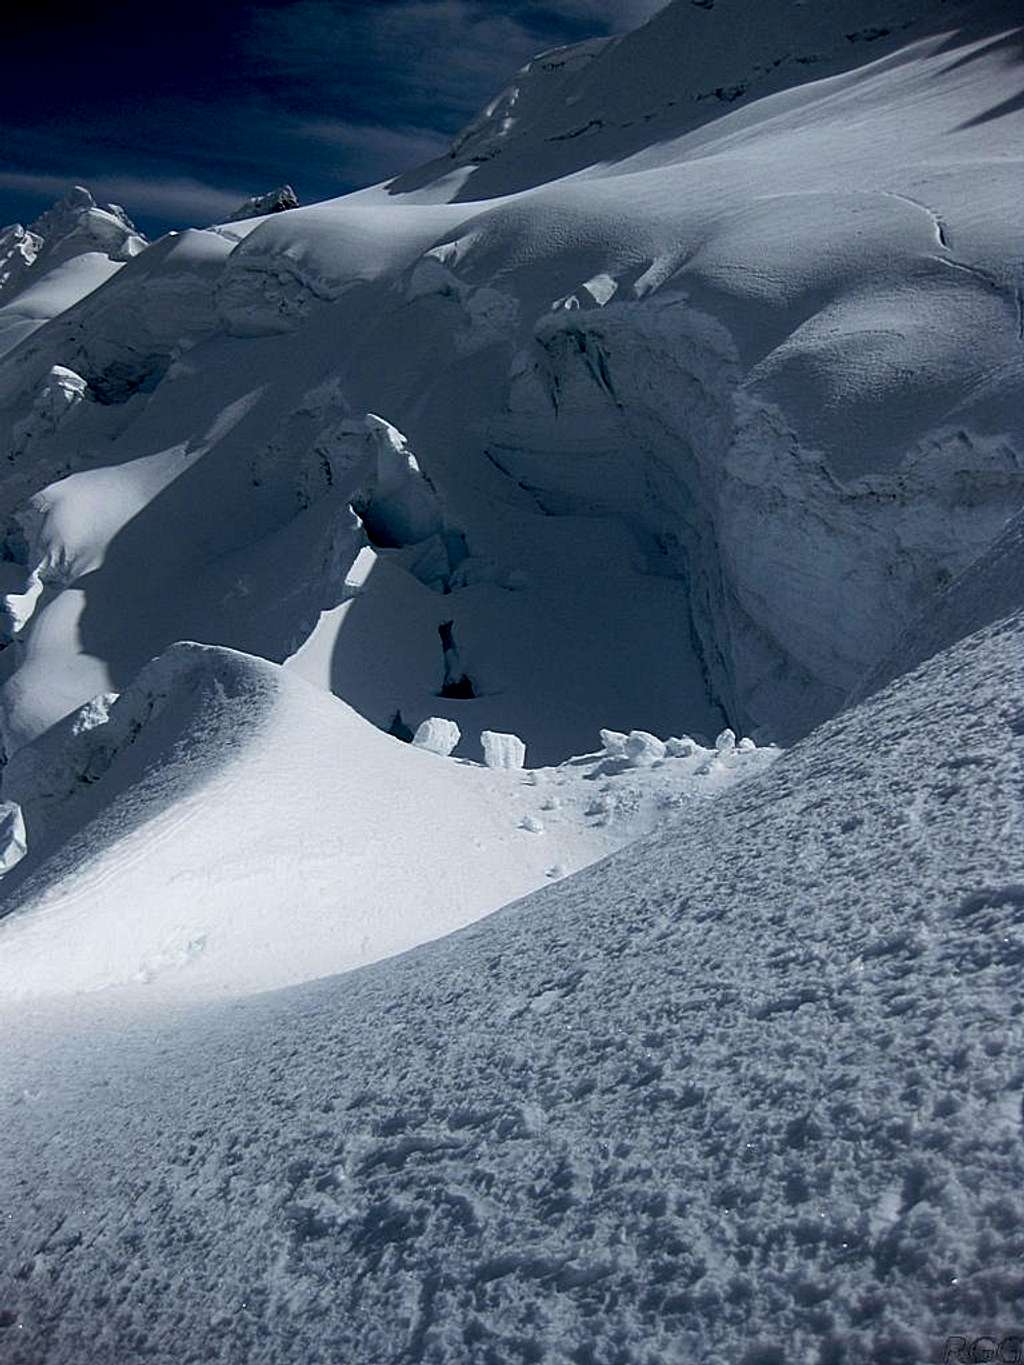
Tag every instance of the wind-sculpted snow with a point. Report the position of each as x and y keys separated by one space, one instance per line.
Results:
x=600 y=102
x=749 y=1091
x=709 y=422
x=222 y=827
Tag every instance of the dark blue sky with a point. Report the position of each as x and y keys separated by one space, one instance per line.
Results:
x=179 y=111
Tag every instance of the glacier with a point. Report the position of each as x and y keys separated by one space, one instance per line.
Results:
x=511 y=715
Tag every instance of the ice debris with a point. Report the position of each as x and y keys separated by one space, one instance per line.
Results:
x=613 y=742
x=503 y=751
x=13 y=841
x=643 y=749
x=437 y=736
x=725 y=744
x=681 y=747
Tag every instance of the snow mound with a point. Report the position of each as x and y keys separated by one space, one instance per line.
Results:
x=748 y=1091
x=222 y=827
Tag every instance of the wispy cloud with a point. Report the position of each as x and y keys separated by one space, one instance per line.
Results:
x=363 y=149
x=420 y=63
x=178 y=197
x=227 y=100
x=618 y=15
x=423 y=57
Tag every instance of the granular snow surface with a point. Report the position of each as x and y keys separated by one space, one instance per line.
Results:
x=748 y=1091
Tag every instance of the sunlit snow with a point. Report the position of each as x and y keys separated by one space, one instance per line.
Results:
x=512 y=704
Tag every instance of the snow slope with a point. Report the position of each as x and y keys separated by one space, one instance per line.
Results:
x=223 y=827
x=750 y=1090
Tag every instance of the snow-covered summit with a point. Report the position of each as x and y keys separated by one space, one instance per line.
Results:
x=374 y=844
x=70 y=250
x=72 y=226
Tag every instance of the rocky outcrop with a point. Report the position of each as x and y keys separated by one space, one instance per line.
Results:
x=259 y=205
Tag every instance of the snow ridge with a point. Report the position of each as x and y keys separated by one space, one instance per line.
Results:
x=75 y=224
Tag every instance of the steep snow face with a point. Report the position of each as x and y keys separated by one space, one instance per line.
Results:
x=705 y=425
x=537 y=97
x=990 y=589
x=750 y=1090
x=222 y=827
x=601 y=102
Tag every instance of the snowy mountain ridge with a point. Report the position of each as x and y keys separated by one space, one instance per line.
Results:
x=601 y=101
x=69 y=251
x=75 y=224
